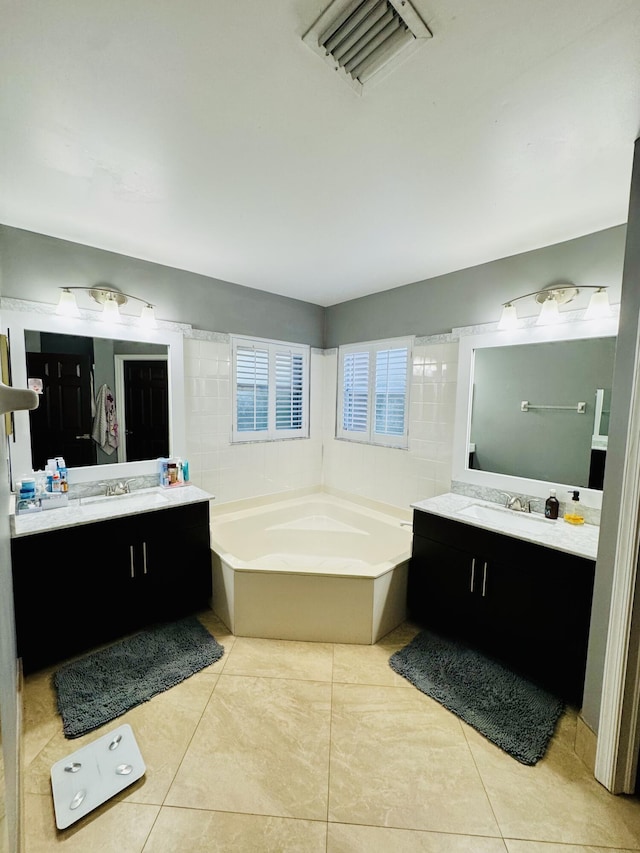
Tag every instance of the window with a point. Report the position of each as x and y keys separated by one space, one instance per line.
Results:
x=270 y=390
x=373 y=397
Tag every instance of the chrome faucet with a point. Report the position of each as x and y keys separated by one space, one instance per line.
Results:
x=119 y=488
x=516 y=503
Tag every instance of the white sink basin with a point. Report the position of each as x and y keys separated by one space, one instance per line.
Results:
x=131 y=501
x=505 y=519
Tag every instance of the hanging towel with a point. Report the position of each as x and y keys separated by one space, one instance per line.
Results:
x=93 y=392
x=105 y=423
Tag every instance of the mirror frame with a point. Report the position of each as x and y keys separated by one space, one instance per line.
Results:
x=46 y=320
x=460 y=472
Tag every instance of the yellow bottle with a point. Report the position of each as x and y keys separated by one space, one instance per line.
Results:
x=573 y=513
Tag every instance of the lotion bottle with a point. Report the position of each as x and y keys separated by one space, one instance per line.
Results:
x=552 y=505
x=573 y=512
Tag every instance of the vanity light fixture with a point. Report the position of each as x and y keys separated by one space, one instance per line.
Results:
x=549 y=311
x=599 y=308
x=148 y=317
x=111 y=299
x=67 y=305
x=550 y=299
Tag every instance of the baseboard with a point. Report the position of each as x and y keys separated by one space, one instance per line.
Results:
x=585 y=744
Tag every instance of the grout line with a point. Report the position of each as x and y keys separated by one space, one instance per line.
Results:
x=484 y=787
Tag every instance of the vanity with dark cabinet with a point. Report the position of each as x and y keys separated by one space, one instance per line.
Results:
x=521 y=602
x=79 y=586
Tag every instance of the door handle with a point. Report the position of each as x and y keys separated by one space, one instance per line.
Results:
x=484 y=580
x=133 y=568
x=144 y=557
x=85 y=436
x=473 y=573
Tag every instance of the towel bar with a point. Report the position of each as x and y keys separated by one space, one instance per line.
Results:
x=580 y=408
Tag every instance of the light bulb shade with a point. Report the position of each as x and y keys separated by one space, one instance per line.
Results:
x=148 y=317
x=67 y=305
x=599 y=308
x=509 y=317
x=549 y=312
x=110 y=311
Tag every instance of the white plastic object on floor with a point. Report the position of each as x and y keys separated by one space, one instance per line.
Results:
x=93 y=774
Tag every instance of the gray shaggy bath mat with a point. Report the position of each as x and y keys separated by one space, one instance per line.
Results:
x=105 y=684
x=515 y=714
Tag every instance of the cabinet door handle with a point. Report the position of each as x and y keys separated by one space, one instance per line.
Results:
x=484 y=580
x=133 y=568
x=473 y=573
x=144 y=557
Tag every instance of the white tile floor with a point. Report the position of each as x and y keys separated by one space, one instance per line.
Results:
x=293 y=746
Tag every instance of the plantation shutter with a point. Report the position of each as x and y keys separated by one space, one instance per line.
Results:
x=355 y=392
x=373 y=392
x=289 y=369
x=252 y=389
x=270 y=390
x=390 y=393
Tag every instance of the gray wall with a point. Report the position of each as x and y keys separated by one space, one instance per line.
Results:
x=35 y=266
x=618 y=439
x=541 y=444
x=475 y=295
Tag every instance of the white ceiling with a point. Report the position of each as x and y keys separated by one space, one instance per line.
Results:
x=208 y=136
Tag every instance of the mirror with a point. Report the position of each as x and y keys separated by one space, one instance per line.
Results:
x=80 y=378
x=116 y=348
x=532 y=409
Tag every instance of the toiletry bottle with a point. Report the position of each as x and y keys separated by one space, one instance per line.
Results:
x=185 y=470
x=27 y=489
x=55 y=482
x=552 y=505
x=163 y=473
x=62 y=470
x=41 y=482
x=573 y=512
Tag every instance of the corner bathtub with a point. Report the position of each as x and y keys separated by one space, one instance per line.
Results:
x=317 y=568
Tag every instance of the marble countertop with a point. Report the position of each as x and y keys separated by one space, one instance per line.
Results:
x=581 y=539
x=92 y=509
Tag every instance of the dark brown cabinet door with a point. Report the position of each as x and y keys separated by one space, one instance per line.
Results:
x=442 y=588
x=178 y=563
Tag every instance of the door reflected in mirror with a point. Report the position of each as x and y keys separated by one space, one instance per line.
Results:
x=103 y=401
x=550 y=439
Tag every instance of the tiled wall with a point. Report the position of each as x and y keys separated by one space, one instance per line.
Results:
x=392 y=476
x=239 y=471
x=234 y=472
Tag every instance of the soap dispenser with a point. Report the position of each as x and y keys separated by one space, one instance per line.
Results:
x=573 y=512
x=552 y=505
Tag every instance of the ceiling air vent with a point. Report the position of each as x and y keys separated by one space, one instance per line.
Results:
x=363 y=38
